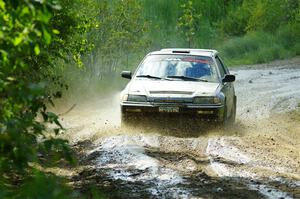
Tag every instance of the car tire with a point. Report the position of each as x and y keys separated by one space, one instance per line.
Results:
x=231 y=119
x=227 y=121
x=224 y=120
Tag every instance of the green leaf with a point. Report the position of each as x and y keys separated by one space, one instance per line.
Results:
x=55 y=31
x=52 y=116
x=56 y=131
x=24 y=11
x=2 y=5
x=11 y=79
x=44 y=16
x=47 y=36
x=37 y=32
x=37 y=49
x=18 y=40
x=15 y=151
x=4 y=55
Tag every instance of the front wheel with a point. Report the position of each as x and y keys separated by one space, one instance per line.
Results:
x=231 y=118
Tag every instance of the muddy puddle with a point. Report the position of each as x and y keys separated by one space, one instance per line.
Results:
x=259 y=157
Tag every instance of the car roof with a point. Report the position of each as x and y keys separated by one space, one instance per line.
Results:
x=186 y=51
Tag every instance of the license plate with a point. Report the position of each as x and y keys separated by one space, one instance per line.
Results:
x=169 y=109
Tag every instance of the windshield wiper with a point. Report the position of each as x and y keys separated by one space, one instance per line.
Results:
x=149 y=76
x=186 y=78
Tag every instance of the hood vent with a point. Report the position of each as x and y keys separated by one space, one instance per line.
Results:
x=172 y=92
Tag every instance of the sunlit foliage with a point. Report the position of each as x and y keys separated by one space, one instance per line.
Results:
x=33 y=35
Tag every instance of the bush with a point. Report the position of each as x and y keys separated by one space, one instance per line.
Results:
x=49 y=186
x=260 y=47
x=242 y=46
x=30 y=44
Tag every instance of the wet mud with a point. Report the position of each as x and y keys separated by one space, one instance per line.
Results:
x=258 y=157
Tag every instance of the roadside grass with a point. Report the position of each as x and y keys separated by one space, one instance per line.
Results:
x=261 y=47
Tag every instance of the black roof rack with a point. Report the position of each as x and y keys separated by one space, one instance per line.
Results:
x=180 y=51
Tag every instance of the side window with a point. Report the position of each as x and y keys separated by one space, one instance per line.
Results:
x=221 y=67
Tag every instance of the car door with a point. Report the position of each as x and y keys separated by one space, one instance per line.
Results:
x=227 y=87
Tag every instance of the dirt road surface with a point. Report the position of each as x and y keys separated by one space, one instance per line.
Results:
x=258 y=157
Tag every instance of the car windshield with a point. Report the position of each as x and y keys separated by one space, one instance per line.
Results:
x=178 y=67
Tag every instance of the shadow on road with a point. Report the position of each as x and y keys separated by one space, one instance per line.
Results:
x=184 y=127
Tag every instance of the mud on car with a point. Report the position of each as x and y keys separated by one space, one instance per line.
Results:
x=180 y=82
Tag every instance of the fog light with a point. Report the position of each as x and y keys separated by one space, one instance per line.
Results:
x=205 y=112
x=135 y=110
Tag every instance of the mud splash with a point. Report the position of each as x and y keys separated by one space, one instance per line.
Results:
x=127 y=160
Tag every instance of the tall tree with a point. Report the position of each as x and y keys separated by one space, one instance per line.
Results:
x=121 y=33
x=188 y=22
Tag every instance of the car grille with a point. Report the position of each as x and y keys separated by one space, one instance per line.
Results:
x=172 y=100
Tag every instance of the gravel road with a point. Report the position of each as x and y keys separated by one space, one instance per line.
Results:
x=258 y=157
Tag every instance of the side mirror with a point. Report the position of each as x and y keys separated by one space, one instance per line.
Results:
x=126 y=74
x=229 y=78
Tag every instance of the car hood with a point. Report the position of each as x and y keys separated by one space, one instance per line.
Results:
x=172 y=88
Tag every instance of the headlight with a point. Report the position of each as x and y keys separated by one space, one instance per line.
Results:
x=124 y=98
x=207 y=100
x=137 y=98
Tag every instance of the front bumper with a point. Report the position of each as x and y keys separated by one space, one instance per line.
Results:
x=208 y=112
